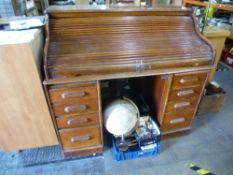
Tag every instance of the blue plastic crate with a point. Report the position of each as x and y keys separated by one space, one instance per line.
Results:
x=138 y=153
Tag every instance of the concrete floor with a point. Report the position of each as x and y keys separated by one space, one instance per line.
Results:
x=210 y=146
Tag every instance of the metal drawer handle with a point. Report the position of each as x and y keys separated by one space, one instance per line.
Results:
x=77 y=120
x=65 y=95
x=188 y=79
x=75 y=108
x=177 y=120
x=185 y=92
x=183 y=104
x=79 y=138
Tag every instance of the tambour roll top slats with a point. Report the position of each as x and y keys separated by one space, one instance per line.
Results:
x=99 y=44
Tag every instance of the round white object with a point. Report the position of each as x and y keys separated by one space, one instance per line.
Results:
x=120 y=117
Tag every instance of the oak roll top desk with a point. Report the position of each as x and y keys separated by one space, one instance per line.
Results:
x=84 y=47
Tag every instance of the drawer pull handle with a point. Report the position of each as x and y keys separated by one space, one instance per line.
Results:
x=65 y=95
x=78 y=120
x=183 y=104
x=177 y=120
x=188 y=79
x=79 y=138
x=75 y=108
x=185 y=92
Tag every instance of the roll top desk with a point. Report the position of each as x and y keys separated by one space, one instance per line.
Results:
x=84 y=47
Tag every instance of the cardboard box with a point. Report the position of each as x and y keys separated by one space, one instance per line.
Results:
x=213 y=99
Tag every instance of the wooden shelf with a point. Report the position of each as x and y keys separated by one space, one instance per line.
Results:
x=204 y=4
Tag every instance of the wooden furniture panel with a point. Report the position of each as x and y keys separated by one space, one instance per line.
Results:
x=77 y=121
x=217 y=37
x=161 y=91
x=80 y=138
x=181 y=104
x=25 y=120
x=122 y=41
x=75 y=107
x=75 y=92
x=183 y=101
x=185 y=93
x=94 y=45
x=183 y=80
x=178 y=119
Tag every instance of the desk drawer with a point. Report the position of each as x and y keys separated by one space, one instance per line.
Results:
x=75 y=107
x=181 y=104
x=187 y=93
x=183 y=80
x=80 y=138
x=77 y=121
x=73 y=92
x=177 y=120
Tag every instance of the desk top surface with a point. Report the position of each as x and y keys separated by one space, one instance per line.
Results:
x=96 y=43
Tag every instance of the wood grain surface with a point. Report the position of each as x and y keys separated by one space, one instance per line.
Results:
x=79 y=138
x=180 y=112
x=190 y=79
x=176 y=120
x=71 y=93
x=109 y=42
x=25 y=120
x=77 y=120
x=100 y=44
x=72 y=107
x=185 y=93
